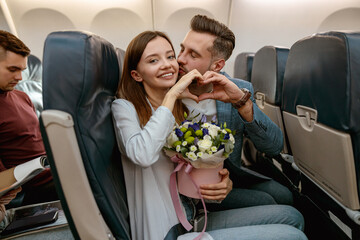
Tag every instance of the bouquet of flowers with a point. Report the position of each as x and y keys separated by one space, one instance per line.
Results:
x=203 y=145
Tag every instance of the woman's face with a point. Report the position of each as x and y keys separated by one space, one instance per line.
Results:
x=157 y=68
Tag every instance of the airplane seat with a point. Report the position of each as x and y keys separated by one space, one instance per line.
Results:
x=243 y=66
x=31 y=82
x=320 y=107
x=120 y=53
x=267 y=79
x=80 y=78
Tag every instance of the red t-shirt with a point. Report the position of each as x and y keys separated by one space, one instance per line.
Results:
x=20 y=136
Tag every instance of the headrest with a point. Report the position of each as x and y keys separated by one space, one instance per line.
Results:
x=120 y=55
x=268 y=72
x=81 y=74
x=33 y=71
x=243 y=65
x=323 y=73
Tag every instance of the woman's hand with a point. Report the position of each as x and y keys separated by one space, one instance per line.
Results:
x=180 y=90
x=217 y=191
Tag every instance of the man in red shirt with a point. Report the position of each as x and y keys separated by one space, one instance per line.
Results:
x=20 y=137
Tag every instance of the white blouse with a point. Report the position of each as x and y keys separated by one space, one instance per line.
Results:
x=147 y=169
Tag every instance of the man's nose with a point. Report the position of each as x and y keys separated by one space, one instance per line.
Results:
x=18 y=76
x=181 y=58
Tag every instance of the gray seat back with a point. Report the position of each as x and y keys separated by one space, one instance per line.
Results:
x=267 y=78
x=321 y=111
x=80 y=78
x=243 y=66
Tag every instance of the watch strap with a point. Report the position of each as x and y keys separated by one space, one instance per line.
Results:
x=243 y=100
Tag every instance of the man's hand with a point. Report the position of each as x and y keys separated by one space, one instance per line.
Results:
x=217 y=191
x=223 y=89
x=226 y=91
x=6 y=199
x=181 y=90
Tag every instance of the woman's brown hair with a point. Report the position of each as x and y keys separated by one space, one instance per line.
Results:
x=134 y=91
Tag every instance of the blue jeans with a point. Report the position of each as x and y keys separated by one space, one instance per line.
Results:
x=259 y=222
x=263 y=232
x=267 y=192
x=257 y=215
x=252 y=223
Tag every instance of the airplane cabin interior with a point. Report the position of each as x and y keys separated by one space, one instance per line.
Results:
x=302 y=58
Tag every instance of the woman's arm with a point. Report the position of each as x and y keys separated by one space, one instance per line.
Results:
x=141 y=145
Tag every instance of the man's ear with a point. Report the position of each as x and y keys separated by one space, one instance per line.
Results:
x=136 y=76
x=217 y=65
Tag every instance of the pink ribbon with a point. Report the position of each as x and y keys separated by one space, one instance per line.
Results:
x=175 y=197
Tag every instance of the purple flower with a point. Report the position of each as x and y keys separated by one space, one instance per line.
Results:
x=196 y=140
x=178 y=132
x=205 y=131
x=195 y=126
x=221 y=147
x=214 y=119
x=227 y=136
x=203 y=118
x=184 y=121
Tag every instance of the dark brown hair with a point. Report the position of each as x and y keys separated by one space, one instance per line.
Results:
x=224 y=42
x=9 y=42
x=134 y=91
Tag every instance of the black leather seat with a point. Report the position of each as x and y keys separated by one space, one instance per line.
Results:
x=80 y=78
x=321 y=113
x=243 y=66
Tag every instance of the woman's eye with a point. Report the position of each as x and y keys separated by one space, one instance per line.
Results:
x=153 y=61
x=171 y=57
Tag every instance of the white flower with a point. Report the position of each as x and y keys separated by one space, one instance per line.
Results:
x=213 y=130
x=224 y=131
x=186 y=124
x=214 y=149
x=229 y=147
x=178 y=148
x=207 y=137
x=184 y=143
x=205 y=125
x=200 y=154
x=192 y=156
x=232 y=139
x=204 y=145
x=171 y=139
x=193 y=148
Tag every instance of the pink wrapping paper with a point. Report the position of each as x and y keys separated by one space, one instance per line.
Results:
x=200 y=176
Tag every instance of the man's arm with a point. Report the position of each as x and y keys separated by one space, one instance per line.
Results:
x=265 y=134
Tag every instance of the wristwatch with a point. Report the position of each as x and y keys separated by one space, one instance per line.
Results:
x=243 y=100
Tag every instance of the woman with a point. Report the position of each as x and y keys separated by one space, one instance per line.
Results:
x=145 y=112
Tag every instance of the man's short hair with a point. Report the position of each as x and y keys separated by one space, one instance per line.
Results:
x=9 y=42
x=224 y=42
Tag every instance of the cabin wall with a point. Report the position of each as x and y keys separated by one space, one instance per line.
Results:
x=256 y=23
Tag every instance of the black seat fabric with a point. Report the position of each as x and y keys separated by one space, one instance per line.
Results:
x=243 y=66
x=323 y=73
x=80 y=77
x=268 y=72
